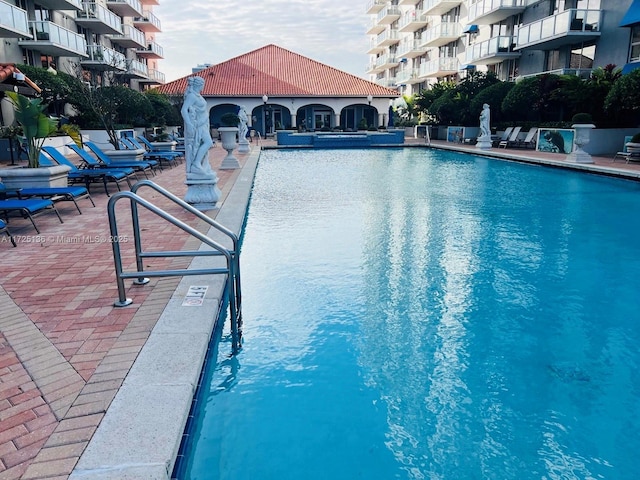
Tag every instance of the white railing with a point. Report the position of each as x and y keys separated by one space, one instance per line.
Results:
x=406 y=75
x=485 y=6
x=50 y=32
x=97 y=11
x=154 y=48
x=391 y=34
x=106 y=56
x=445 y=29
x=569 y=21
x=135 y=4
x=406 y=47
x=147 y=16
x=13 y=17
x=156 y=75
x=445 y=64
x=389 y=10
x=489 y=48
x=138 y=68
x=415 y=15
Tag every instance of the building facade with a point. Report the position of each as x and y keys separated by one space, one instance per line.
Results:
x=414 y=43
x=102 y=39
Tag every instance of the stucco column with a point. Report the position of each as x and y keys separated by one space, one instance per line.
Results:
x=336 y=120
x=294 y=121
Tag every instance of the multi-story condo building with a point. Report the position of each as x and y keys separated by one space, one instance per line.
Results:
x=93 y=36
x=418 y=42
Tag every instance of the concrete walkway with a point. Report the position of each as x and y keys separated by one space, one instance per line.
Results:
x=79 y=395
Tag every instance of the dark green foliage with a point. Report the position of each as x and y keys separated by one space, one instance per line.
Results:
x=493 y=95
x=230 y=120
x=623 y=100
x=635 y=138
x=582 y=118
x=163 y=111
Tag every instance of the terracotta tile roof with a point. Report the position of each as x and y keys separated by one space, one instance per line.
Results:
x=275 y=71
x=8 y=69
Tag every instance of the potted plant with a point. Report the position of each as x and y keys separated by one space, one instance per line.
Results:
x=228 y=131
x=36 y=127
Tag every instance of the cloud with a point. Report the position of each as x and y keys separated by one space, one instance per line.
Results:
x=329 y=31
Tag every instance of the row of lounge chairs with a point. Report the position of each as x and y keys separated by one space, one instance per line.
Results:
x=510 y=138
x=96 y=168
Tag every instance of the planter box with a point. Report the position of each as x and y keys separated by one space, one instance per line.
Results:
x=21 y=177
x=125 y=155
x=101 y=137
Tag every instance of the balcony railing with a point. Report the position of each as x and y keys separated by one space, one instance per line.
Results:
x=105 y=58
x=154 y=77
x=493 y=11
x=97 y=18
x=374 y=6
x=583 y=73
x=491 y=51
x=52 y=39
x=13 y=21
x=410 y=49
x=439 y=67
x=125 y=8
x=137 y=69
x=409 y=75
x=131 y=38
x=153 y=50
x=374 y=27
x=412 y=21
x=389 y=14
x=61 y=4
x=408 y=2
x=148 y=22
x=561 y=28
x=438 y=7
x=388 y=37
x=440 y=34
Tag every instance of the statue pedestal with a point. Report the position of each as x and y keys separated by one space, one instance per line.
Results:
x=202 y=192
x=484 y=142
x=243 y=146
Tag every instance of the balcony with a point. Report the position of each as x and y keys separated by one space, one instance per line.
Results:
x=408 y=76
x=61 y=4
x=583 y=73
x=408 y=2
x=439 y=7
x=148 y=22
x=412 y=21
x=154 y=77
x=440 y=35
x=387 y=38
x=13 y=21
x=382 y=63
x=136 y=69
x=374 y=6
x=52 y=39
x=487 y=12
x=375 y=27
x=131 y=37
x=388 y=15
x=98 y=19
x=153 y=50
x=410 y=49
x=565 y=28
x=492 y=51
x=440 y=67
x=104 y=58
x=125 y=8
x=389 y=82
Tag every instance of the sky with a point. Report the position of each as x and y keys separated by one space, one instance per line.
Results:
x=212 y=31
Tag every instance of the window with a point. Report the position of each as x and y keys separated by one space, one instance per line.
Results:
x=634 y=56
x=582 y=57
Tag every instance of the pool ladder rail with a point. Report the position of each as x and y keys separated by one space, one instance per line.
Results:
x=140 y=276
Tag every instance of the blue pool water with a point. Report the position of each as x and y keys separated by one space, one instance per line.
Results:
x=418 y=314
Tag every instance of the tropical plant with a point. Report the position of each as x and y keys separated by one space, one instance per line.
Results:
x=36 y=125
x=623 y=100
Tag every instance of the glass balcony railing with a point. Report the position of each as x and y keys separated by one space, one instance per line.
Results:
x=148 y=19
x=572 y=21
x=156 y=76
x=13 y=19
x=153 y=49
x=44 y=31
x=388 y=37
x=406 y=76
x=486 y=7
x=106 y=56
x=374 y=6
x=490 y=48
x=438 y=7
x=439 y=65
x=136 y=67
x=127 y=8
x=95 y=11
x=443 y=31
x=409 y=47
x=388 y=14
x=412 y=20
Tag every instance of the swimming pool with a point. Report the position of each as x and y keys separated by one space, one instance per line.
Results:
x=420 y=314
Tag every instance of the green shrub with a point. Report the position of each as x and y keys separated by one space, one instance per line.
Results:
x=582 y=118
x=635 y=138
x=230 y=119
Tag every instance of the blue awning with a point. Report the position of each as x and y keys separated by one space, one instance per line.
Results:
x=630 y=67
x=467 y=67
x=470 y=29
x=632 y=16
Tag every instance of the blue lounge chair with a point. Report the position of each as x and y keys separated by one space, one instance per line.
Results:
x=28 y=208
x=139 y=166
x=170 y=157
x=95 y=164
x=55 y=194
x=4 y=229
x=84 y=175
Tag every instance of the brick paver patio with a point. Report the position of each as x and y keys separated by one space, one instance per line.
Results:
x=64 y=348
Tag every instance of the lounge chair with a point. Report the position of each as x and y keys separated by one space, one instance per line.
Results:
x=138 y=166
x=178 y=155
x=513 y=138
x=95 y=164
x=504 y=137
x=4 y=229
x=167 y=157
x=28 y=208
x=84 y=175
x=529 y=140
x=55 y=194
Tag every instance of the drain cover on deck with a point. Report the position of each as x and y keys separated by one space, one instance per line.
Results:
x=195 y=296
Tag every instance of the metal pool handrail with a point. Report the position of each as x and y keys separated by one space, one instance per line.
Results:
x=232 y=271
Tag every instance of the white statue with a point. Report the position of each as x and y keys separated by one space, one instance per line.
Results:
x=485 y=122
x=197 y=137
x=243 y=128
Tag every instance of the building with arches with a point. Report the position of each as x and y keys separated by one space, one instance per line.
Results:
x=284 y=90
